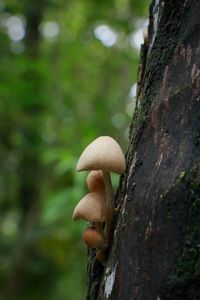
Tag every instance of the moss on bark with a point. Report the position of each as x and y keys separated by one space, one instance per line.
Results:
x=184 y=282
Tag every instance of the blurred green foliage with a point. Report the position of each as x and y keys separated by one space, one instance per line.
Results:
x=68 y=70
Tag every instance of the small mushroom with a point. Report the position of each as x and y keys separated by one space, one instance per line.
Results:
x=101 y=256
x=94 y=239
x=91 y=208
x=95 y=182
x=105 y=154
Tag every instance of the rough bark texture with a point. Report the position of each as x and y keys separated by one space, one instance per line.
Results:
x=155 y=252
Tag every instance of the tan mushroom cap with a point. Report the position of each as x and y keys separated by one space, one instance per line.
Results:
x=104 y=153
x=91 y=208
x=95 y=181
x=93 y=238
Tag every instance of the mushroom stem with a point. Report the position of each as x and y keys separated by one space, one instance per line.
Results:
x=99 y=228
x=109 y=203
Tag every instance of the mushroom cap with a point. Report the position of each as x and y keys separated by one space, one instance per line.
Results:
x=93 y=238
x=104 y=153
x=91 y=208
x=95 y=181
x=101 y=256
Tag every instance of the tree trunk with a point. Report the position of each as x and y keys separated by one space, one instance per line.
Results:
x=155 y=252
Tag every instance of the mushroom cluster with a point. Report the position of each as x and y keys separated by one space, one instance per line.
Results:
x=101 y=157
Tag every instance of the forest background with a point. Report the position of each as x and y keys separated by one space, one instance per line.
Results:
x=68 y=75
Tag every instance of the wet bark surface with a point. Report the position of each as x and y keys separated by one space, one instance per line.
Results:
x=155 y=253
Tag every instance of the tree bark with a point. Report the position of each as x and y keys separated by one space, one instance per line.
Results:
x=155 y=252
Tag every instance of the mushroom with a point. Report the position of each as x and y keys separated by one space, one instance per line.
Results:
x=95 y=182
x=105 y=154
x=91 y=208
x=101 y=256
x=94 y=239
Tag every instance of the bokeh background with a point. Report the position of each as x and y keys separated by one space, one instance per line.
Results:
x=68 y=71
